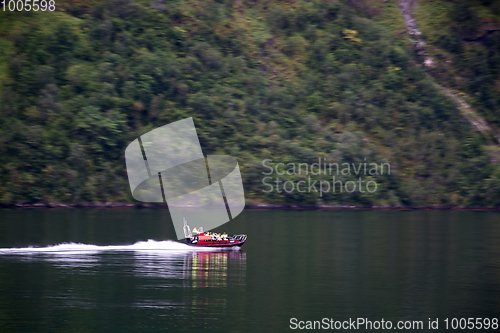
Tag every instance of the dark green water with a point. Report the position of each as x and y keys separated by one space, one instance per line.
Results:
x=310 y=265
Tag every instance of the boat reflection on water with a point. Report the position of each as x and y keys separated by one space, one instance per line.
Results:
x=170 y=261
x=209 y=277
x=214 y=269
x=174 y=278
x=191 y=284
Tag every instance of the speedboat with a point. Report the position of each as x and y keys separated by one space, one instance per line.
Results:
x=198 y=238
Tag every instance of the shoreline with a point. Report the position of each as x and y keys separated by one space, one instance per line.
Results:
x=263 y=206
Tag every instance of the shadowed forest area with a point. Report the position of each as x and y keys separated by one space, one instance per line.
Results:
x=289 y=81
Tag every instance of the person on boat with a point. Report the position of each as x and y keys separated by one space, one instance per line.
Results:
x=195 y=231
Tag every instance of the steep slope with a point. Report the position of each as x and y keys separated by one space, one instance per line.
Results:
x=432 y=60
x=463 y=39
x=299 y=82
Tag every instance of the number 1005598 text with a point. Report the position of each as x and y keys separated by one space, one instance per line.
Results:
x=28 y=5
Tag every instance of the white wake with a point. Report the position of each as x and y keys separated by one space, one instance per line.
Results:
x=150 y=245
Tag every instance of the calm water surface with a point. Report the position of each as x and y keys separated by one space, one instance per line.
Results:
x=396 y=265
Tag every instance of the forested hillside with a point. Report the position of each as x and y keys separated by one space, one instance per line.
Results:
x=286 y=81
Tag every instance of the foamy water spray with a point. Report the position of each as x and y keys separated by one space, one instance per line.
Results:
x=150 y=245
